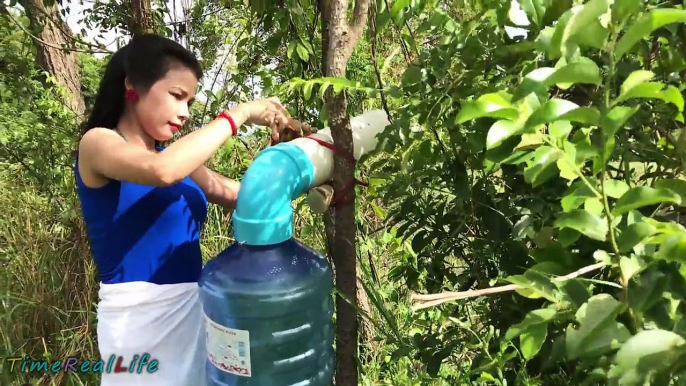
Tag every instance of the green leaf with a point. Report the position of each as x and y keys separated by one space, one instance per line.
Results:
x=382 y=19
x=647 y=289
x=307 y=90
x=646 y=24
x=339 y=84
x=634 y=79
x=531 y=141
x=556 y=46
x=484 y=377
x=598 y=332
x=576 y=195
x=624 y=8
x=633 y=235
x=398 y=10
x=630 y=266
x=615 y=188
x=542 y=240
x=582 y=17
x=302 y=52
x=574 y=292
x=641 y=196
x=616 y=118
x=569 y=163
x=534 y=285
x=583 y=71
x=561 y=109
x=595 y=35
x=565 y=165
x=420 y=241
x=594 y=206
x=654 y=90
x=584 y=222
x=531 y=341
x=568 y=236
x=673 y=248
x=499 y=132
x=555 y=9
x=273 y=43
x=522 y=227
x=589 y=115
x=560 y=129
x=534 y=9
x=532 y=319
x=548 y=267
x=648 y=350
x=291 y=48
x=602 y=256
x=413 y=74
x=533 y=82
x=489 y=105
x=664 y=229
x=543 y=166
x=676 y=186
x=322 y=89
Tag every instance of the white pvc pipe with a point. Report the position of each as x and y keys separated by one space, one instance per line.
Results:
x=365 y=128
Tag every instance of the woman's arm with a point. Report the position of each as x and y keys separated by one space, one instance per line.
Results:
x=218 y=189
x=103 y=153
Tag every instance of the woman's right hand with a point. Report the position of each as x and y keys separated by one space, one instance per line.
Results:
x=267 y=112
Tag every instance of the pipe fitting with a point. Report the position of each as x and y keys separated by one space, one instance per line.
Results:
x=277 y=175
x=281 y=173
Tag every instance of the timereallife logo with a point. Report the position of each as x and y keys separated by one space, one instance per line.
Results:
x=115 y=364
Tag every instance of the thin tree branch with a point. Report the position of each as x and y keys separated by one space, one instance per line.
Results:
x=406 y=50
x=69 y=34
x=426 y=301
x=15 y=21
x=356 y=25
x=372 y=27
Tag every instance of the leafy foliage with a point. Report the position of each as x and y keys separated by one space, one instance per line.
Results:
x=532 y=175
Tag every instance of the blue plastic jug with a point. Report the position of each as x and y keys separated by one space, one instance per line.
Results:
x=267 y=299
x=268 y=311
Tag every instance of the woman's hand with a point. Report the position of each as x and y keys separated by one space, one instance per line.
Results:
x=267 y=112
x=295 y=129
x=270 y=112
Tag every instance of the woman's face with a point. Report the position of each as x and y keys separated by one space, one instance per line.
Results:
x=165 y=107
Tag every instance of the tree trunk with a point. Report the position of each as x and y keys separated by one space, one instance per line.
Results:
x=342 y=38
x=52 y=36
x=143 y=21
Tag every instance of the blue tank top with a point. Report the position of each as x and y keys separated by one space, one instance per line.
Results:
x=144 y=233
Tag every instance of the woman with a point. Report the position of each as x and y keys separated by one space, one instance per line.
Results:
x=144 y=205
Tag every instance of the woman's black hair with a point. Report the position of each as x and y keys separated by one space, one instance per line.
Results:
x=144 y=60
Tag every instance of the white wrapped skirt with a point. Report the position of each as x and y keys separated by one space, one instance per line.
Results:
x=155 y=332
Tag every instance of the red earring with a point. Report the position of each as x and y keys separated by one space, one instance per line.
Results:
x=131 y=95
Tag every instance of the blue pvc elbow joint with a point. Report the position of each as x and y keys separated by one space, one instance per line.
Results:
x=277 y=176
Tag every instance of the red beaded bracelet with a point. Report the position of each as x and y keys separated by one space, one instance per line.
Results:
x=226 y=116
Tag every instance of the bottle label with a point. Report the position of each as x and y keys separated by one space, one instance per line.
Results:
x=228 y=349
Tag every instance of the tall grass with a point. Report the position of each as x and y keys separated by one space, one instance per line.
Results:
x=51 y=284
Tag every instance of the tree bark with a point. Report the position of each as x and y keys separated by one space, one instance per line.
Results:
x=143 y=21
x=342 y=38
x=51 y=35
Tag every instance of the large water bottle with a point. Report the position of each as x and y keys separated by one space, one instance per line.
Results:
x=267 y=299
x=268 y=316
